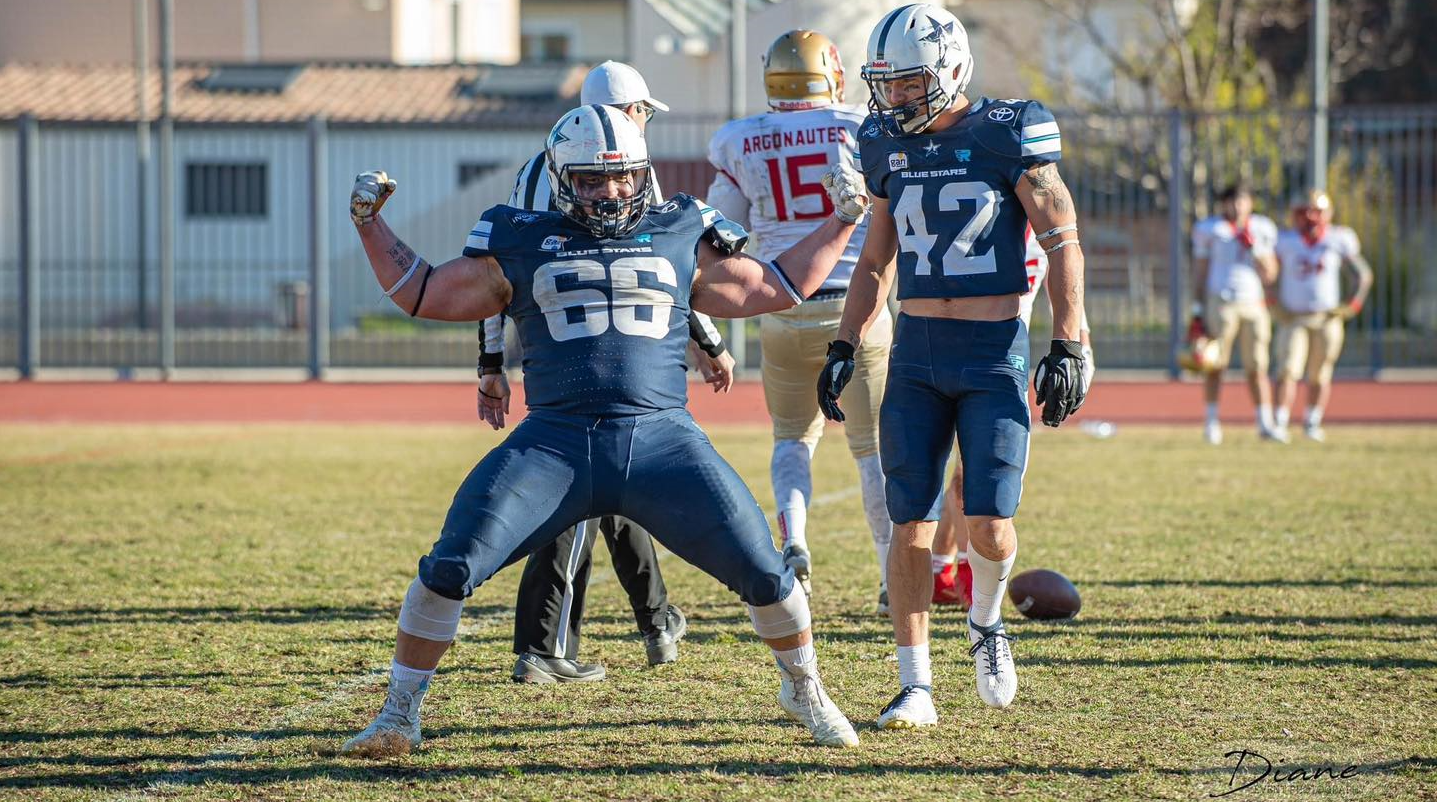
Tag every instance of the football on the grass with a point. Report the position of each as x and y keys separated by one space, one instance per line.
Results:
x=1043 y=594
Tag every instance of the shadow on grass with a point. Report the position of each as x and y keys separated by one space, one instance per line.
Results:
x=339 y=770
x=312 y=614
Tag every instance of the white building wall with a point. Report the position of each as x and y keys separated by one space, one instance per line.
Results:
x=229 y=272
x=596 y=30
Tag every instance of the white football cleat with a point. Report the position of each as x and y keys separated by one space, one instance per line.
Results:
x=797 y=558
x=997 y=679
x=1315 y=433
x=1274 y=435
x=805 y=702
x=1212 y=433
x=394 y=732
x=882 y=607
x=910 y=709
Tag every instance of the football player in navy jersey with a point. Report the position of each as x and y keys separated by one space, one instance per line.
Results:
x=600 y=292
x=954 y=184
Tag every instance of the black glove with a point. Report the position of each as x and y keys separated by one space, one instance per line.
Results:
x=1059 y=381
x=837 y=370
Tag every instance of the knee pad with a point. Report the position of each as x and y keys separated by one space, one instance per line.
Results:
x=425 y=614
x=446 y=576
x=781 y=619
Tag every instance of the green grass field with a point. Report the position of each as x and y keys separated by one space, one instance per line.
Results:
x=206 y=613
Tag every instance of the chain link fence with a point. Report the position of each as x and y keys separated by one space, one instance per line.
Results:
x=263 y=269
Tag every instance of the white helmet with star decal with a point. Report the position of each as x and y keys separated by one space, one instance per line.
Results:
x=598 y=140
x=917 y=41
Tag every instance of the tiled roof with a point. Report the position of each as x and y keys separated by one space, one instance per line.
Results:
x=518 y=95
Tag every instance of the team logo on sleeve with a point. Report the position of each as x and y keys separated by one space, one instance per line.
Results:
x=1002 y=114
x=553 y=242
x=898 y=161
x=525 y=218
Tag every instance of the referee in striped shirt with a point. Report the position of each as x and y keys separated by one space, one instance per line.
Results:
x=551 y=593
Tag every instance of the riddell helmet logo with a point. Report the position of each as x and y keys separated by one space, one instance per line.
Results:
x=610 y=156
x=880 y=65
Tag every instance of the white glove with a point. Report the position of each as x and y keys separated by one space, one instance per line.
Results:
x=371 y=189
x=847 y=191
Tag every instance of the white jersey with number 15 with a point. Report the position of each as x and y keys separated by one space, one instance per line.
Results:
x=769 y=170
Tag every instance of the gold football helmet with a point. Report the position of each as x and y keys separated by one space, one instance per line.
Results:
x=802 y=70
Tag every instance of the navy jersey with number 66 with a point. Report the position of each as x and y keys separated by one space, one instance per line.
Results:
x=961 y=228
x=603 y=322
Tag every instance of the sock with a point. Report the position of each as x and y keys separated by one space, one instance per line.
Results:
x=1212 y=412
x=799 y=662
x=875 y=509
x=1264 y=416
x=941 y=561
x=962 y=556
x=913 y=666
x=1282 y=415
x=990 y=580
x=408 y=680
x=792 y=488
x=1314 y=416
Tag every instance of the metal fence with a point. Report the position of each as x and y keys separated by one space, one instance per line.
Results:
x=263 y=269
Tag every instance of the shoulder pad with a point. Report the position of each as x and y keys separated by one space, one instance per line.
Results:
x=726 y=235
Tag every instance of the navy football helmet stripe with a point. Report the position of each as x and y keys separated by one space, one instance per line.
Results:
x=887 y=24
x=610 y=141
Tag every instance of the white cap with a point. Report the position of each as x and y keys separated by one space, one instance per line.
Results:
x=614 y=83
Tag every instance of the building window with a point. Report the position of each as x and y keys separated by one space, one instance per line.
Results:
x=470 y=172
x=214 y=189
x=544 y=47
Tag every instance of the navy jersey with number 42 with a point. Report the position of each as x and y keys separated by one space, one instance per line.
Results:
x=961 y=228
x=603 y=322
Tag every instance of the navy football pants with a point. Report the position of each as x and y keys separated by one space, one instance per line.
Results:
x=947 y=377
x=556 y=469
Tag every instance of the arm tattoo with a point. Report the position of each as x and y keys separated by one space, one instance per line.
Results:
x=402 y=255
x=1049 y=186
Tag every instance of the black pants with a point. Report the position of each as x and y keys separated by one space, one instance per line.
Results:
x=551 y=594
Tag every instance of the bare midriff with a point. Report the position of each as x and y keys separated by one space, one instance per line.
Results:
x=985 y=307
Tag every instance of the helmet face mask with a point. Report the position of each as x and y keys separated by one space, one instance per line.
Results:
x=590 y=150
x=1311 y=214
x=802 y=70
x=916 y=41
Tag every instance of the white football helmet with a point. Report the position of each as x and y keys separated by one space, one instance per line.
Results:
x=599 y=139
x=918 y=40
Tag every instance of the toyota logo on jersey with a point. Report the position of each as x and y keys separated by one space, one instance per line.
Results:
x=1001 y=114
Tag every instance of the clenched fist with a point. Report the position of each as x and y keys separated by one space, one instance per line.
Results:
x=847 y=191
x=371 y=189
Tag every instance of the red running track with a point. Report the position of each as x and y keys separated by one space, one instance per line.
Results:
x=159 y=402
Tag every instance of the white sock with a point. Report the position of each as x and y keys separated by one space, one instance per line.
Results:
x=1314 y=416
x=941 y=561
x=406 y=679
x=913 y=666
x=792 y=488
x=875 y=509
x=1212 y=412
x=990 y=580
x=799 y=662
x=1264 y=416
x=1282 y=415
x=962 y=556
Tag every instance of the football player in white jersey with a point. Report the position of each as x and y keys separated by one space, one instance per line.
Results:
x=952 y=576
x=1311 y=312
x=1232 y=262
x=768 y=180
